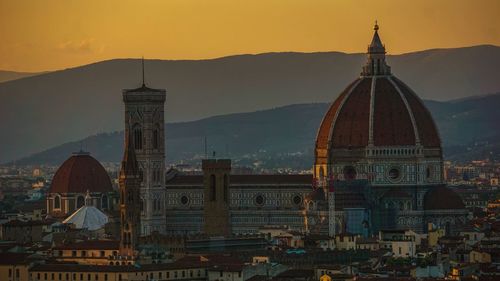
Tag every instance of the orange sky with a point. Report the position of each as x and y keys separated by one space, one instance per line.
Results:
x=54 y=34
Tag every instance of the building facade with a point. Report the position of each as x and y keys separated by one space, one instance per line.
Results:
x=253 y=201
x=144 y=121
x=379 y=143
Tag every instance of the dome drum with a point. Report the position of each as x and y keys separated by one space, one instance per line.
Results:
x=78 y=175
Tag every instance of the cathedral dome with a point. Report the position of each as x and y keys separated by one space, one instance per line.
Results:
x=442 y=198
x=81 y=173
x=376 y=110
x=382 y=111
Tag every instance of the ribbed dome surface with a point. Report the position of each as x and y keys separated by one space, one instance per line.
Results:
x=81 y=172
x=442 y=198
x=377 y=109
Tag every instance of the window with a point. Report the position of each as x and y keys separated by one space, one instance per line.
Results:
x=102 y=253
x=349 y=173
x=80 y=201
x=156 y=138
x=213 y=194
x=137 y=137
x=226 y=188
x=57 y=202
x=105 y=277
x=104 y=202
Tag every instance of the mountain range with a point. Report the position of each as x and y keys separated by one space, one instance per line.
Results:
x=42 y=111
x=285 y=136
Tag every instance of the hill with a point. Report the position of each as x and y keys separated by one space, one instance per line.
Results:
x=285 y=136
x=14 y=75
x=42 y=111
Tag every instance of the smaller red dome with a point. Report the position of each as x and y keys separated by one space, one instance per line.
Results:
x=81 y=172
x=442 y=198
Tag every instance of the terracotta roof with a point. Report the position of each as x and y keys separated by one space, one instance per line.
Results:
x=14 y=258
x=143 y=89
x=91 y=245
x=442 y=198
x=391 y=120
x=81 y=172
x=346 y=124
x=245 y=179
x=20 y=223
x=426 y=126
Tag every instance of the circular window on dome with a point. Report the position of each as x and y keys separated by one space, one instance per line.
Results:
x=297 y=199
x=259 y=200
x=184 y=200
x=394 y=174
x=349 y=173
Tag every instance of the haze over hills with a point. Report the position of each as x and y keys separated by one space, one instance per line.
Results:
x=43 y=111
x=285 y=136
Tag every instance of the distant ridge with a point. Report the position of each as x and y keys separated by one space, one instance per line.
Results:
x=285 y=135
x=6 y=75
x=42 y=111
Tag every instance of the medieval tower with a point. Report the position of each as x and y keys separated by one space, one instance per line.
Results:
x=216 y=174
x=144 y=121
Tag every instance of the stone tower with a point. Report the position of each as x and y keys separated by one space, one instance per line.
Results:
x=216 y=173
x=130 y=188
x=144 y=121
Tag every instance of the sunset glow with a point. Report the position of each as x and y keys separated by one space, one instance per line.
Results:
x=50 y=35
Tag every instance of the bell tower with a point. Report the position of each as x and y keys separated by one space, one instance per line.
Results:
x=145 y=123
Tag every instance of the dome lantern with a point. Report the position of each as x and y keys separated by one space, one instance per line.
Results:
x=375 y=64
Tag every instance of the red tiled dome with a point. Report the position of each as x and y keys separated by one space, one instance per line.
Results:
x=81 y=172
x=348 y=121
x=442 y=198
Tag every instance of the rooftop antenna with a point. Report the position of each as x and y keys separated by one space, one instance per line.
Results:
x=206 y=153
x=143 y=83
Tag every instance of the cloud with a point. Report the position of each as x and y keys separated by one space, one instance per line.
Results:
x=82 y=46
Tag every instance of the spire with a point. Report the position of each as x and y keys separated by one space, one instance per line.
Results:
x=376 y=45
x=376 y=64
x=129 y=162
x=143 y=81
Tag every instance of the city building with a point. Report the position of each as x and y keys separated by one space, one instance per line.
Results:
x=78 y=175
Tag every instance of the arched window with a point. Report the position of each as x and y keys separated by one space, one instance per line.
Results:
x=137 y=137
x=57 y=202
x=104 y=202
x=226 y=188
x=80 y=201
x=213 y=194
x=156 y=137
